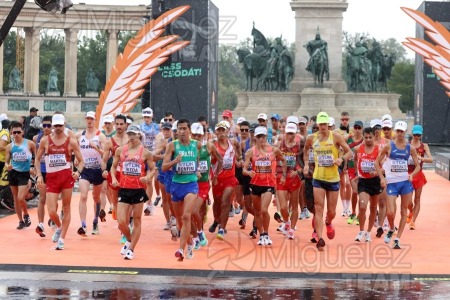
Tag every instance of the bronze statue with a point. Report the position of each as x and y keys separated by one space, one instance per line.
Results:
x=91 y=81
x=52 y=85
x=15 y=83
x=318 y=59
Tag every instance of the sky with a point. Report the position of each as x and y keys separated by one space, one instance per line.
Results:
x=382 y=19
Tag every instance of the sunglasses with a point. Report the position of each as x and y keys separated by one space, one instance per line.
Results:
x=357 y=127
x=261 y=136
x=57 y=126
x=168 y=120
x=16 y=132
x=386 y=128
x=46 y=125
x=245 y=130
x=344 y=119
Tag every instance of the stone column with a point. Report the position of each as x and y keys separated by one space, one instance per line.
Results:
x=327 y=15
x=31 y=63
x=70 y=68
x=1 y=68
x=111 y=51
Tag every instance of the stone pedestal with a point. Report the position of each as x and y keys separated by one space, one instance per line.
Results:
x=250 y=104
x=314 y=100
x=91 y=95
x=327 y=16
x=53 y=94
x=15 y=93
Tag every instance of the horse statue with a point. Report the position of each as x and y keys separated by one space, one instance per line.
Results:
x=254 y=66
x=285 y=70
x=319 y=67
x=389 y=62
x=376 y=57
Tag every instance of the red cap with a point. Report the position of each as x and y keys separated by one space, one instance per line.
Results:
x=227 y=113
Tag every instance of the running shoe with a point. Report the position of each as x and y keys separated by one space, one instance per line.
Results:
x=351 y=218
x=213 y=227
x=174 y=232
x=368 y=238
x=320 y=244
x=82 y=231
x=157 y=199
x=380 y=232
x=202 y=238
x=173 y=220
x=179 y=254
x=123 y=239
x=386 y=225
x=360 y=236
x=290 y=234
x=277 y=217
x=40 y=230
x=388 y=236
x=307 y=213
x=129 y=255
x=280 y=228
x=356 y=221
x=190 y=252
x=147 y=210
x=286 y=229
x=56 y=235
x=197 y=244
x=59 y=245
x=314 y=237
x=262 y=241
x=102 y=215
x=27 y=220
x=21 y=225
x=412 y=225
x=221 y=234
x=125 y=248
x=254 y=233
x=242 y=223
x=51 y=224
x=409 y=217
x=167 y=226
x=237 y=210
x=302 y=215
x=396 y=244
x=267 y=240
x=231 y=213
x=95 y=230
x=331 y=232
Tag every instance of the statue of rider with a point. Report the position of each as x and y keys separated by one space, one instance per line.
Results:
x=317 y=47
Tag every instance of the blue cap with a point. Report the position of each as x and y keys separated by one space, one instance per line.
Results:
x=417 y=129
x=276 y=116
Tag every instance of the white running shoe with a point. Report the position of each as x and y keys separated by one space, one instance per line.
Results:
x=368 y=238
x=360 y=236
x=267 y=239
x=125 y=248
x=129 y=255
x=190 y=251
x=262 y=241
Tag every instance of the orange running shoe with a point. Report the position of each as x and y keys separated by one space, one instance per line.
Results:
x=412 y=226
x=409 y=217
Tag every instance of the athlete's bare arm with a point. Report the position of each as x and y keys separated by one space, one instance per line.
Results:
x=247 y=162
x=383 y=153
x=148 y=157
x=114 y=166
x=306 y=149
x=167 y=162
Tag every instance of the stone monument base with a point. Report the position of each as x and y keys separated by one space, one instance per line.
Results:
x=360 y=106
x=52 y=94
x=15 y=93
x=91 y=95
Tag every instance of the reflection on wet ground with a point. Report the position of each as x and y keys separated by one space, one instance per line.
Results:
x=263 y=289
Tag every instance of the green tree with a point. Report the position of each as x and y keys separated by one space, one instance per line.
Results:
x=9 y=57
x=392 y=46
x=402 y=82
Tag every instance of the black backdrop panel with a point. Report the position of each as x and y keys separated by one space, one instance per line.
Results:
x=186 y=84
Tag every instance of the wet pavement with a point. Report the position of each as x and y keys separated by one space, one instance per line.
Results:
x=19 y=285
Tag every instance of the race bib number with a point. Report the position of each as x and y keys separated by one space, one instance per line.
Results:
x=56 y=160
x=92 y=163
x=185 y=167
x=203 y=166
x=131 y=168
x=410 y=161
x=20 y=157
x=399 y=166
x=149 y=141
x=367 y=166
x=290 y=161
x=325 y=160
x=227 y=163
x=263 y=166
x=311 y=157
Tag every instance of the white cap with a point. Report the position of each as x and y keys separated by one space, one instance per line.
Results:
x=387 y=123
x=197 y=128
x=133 y=128
x=240 y=120
x=108 y=119
x=175 y=125
x=3 y=117
x=292 y=119
x=291 y=127
x=332 y=122
x=90 y=114
x=262 y=116
x=129 y=121
x=375 y=122
x=223 y=124
x=147 y=112
x=58 y=119
x=401 y=125
x=162 y=121
x=302 y=120
x=386 y=117
x=260 y=130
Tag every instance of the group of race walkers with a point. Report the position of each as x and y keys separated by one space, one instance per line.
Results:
x=302 y=166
